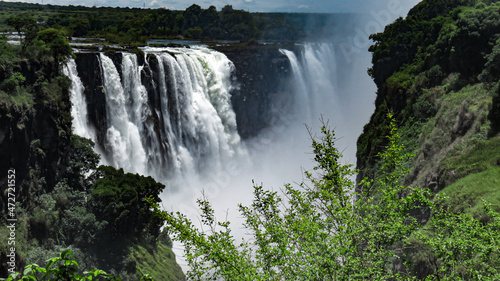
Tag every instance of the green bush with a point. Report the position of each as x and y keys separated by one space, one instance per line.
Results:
x=317 y=232
x=119 y=199
x=10 y=84
x=63 y=267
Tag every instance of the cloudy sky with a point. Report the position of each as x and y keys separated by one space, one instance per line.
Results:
x=308 y=6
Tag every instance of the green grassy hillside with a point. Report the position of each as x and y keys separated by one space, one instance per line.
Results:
x=438 y=71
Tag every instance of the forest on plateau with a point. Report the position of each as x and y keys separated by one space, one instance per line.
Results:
x=134 y=26
x=426 y=197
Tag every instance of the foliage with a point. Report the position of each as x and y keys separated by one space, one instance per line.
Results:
x=466 y=195
x=476 y=158
x=442 y=48
x=491 y=70
x=61 y=268
x=133 y=26
x=58 y=48
x=463 y=247
x=160 y=263
x=316 y=231
x=82 y=160
x=494 y=115
x=119 y=199
x=26 y=26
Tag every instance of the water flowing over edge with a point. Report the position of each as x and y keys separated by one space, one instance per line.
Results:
x=198 y=132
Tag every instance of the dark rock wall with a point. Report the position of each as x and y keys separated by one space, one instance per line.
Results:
x=263 y=74
x=34 y=142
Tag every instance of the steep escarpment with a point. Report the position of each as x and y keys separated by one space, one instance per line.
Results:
x=34 y=142
x=35 y=127
x=437 y=70
x=262 y=72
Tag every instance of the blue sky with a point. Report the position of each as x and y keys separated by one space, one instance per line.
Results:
x=307 y=6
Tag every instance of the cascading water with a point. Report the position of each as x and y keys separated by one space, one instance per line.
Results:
x=79 y=112
x=320 y=93
x=189 y=132
x=123 y=144
x=204 y=124
x=315 y=82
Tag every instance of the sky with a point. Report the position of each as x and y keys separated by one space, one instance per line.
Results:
x=305 y=6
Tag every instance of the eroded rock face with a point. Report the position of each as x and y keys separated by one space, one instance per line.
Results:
x=33 y=142
x=262 y=73
x=89 y=72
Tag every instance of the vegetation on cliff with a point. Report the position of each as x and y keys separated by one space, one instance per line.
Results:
x=63 y=199
x=437 y=70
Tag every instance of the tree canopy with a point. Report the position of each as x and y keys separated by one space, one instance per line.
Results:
x=317 y=231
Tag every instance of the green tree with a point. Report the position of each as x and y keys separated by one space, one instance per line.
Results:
x=25 y=27
x=82 y=161
x=316 y=231
x=63 y=268
x=119 y=199
x=58 y=48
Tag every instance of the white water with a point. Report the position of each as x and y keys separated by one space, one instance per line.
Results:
x=123 y=144
x=315 y=82
x=79 y=112
x=198 y=133
x=200 y=124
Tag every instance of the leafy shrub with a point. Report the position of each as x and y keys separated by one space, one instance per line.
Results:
x=63 y=267
x=317 y=232
x=10 y=84
x=491 y=70
x=118 y=200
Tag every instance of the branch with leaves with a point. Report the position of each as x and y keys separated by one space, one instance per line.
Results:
x=318 y=231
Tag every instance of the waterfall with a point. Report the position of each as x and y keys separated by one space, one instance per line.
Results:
x=195 y=87
x=315 y=82
x=79 y=112
x=123 y=139
x=169 y=115
x=184 y=127
x=329 y=86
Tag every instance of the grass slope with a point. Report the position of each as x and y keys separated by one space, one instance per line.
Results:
x=160 y=263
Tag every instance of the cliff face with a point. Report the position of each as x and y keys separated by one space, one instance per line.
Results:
x=262 y=73
x=442 y=89
x=34 y=140
x=89 y=72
